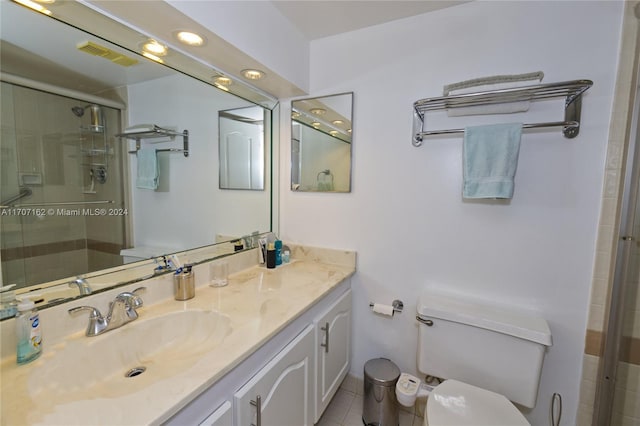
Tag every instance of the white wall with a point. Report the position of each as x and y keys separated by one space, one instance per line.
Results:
x=405 y=216
x=189 y=209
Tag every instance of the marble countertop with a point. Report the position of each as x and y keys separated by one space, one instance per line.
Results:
x=258 y=303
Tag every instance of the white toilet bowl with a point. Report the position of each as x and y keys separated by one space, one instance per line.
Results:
x=454 y=403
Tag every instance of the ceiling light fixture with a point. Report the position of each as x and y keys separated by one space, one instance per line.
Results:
x=34 y=6
x=155 y=48
x=253 y=74
x=333 y=132
x=189 y=38
x=318 y=111
x=223 y=81
x=295 y=114
x=315 y=124
x=337 y=122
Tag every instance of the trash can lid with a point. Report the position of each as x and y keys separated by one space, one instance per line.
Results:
x=381 y=371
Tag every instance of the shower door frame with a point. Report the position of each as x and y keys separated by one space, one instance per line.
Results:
x=627 y=214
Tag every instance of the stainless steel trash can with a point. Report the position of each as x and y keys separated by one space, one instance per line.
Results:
x=380 y=406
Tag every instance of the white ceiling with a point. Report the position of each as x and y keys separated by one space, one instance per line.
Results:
x=321 y=18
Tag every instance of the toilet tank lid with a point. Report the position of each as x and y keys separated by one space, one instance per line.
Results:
x=458 y=308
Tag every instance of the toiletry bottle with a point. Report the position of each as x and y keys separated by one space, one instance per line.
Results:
x=9 y=305
x=271 y=256
x=278 y=247
x=28 y=332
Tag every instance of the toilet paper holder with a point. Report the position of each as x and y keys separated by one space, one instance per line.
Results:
x=397 y=305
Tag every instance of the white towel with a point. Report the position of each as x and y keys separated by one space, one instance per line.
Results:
x=491 y=83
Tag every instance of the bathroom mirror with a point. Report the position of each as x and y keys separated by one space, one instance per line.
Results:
x=241 y=148
x=321 y=139
x=70 y=182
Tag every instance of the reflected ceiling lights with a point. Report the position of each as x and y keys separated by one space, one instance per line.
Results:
x=318 y=111
x=337 y=122
x=155 y=48
x=35 y=6
x=152 y=57
x=189 y=38
x=253 y=74
x=315 y=124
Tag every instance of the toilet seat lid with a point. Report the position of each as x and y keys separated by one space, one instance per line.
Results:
x=454 y=403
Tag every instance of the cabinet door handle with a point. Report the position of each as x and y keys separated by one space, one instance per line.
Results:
x=325 y=345
x=258 y=404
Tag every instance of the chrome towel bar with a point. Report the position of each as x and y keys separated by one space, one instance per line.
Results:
x=571 y=90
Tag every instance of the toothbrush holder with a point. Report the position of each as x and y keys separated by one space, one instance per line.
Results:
x=184 y=285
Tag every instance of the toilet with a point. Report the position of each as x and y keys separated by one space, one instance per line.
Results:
x=488 y=356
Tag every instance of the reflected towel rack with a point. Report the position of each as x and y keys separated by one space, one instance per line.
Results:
x=571 y=90
x=158 y=132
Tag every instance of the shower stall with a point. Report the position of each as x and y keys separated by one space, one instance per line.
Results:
x=61 y=174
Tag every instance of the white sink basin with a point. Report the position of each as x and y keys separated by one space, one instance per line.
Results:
x=96 y=367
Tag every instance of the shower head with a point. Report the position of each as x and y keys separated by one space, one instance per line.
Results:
x=79 y=111
x=96 y=118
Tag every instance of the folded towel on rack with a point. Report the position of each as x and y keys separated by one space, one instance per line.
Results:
x=148 y=170
x=495 y=82
x=490 y=160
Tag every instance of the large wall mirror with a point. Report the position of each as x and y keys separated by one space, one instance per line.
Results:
x=110 y=158
x=321 y=138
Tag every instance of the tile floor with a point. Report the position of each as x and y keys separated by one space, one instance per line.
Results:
x=345 y=409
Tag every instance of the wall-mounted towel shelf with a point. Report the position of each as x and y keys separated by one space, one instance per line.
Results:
x=158 y=132
x=571 y=90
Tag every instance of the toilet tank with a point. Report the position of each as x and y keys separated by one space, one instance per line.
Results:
x=486 y=345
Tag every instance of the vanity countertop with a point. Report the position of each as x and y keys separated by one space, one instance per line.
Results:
x=257 y=304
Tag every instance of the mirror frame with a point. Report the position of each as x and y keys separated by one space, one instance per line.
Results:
x=128 y=38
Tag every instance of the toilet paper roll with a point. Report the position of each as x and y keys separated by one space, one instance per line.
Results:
x=381 y=309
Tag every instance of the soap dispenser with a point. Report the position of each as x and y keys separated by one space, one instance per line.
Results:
x=28 y=332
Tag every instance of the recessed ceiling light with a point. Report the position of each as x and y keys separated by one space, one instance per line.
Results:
x=223 y=81
x=34 y=6
x=349 y=130
x=152 y=57
x=192 y=39
x=295 y=114
x=46 y=1
x=253 y=74
x=333 y=132
x=155 y=48
x=315 y=124
x=318 y=111
x=337 y=122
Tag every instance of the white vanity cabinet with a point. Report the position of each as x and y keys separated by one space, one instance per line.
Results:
x=280 y=393
x=292 y=373
x=333 y=351
x=223 y=416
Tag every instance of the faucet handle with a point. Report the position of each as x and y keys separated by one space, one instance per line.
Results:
x=95 y=313
x=97 y=323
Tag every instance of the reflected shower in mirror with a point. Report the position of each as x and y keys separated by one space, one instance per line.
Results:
x=241 y=148
x=321 y=139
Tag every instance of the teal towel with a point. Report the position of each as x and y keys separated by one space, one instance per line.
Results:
x=148 y=171
x=490 y=160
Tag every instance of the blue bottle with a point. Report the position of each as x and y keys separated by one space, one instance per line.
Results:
x=278 y=247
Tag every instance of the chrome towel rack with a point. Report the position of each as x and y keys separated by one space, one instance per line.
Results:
x=571 y=90
x=158 y=132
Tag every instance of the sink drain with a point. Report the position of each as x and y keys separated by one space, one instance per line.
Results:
x=135 y=372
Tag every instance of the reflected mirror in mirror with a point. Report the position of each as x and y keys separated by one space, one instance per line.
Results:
x=241 y=148
x=81 y=194
x=321 y=140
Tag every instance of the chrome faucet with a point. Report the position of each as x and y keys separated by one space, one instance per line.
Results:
x=121 y=311
x=83 y=285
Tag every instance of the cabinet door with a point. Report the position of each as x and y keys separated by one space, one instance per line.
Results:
x=333 y=351
x=282 y=391
x=221 y=417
